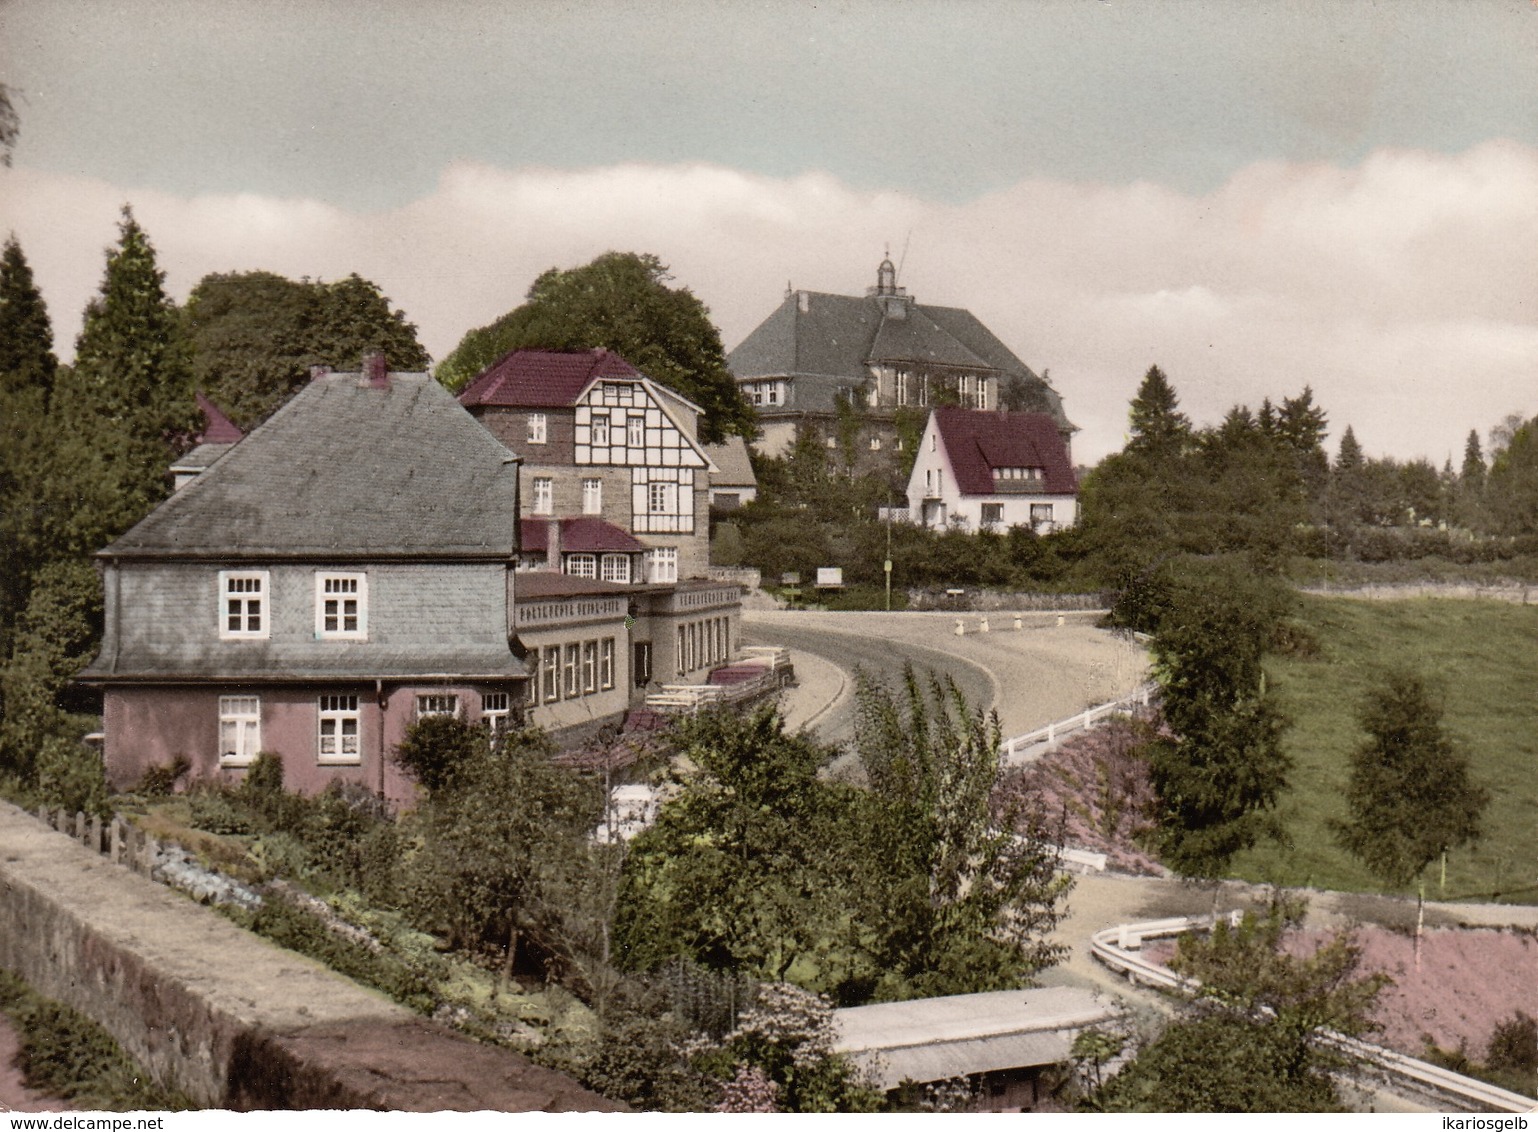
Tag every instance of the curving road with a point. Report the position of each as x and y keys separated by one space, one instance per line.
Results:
x=883 y=657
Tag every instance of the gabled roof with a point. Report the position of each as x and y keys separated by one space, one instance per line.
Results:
x=830 y=342
x=733 y=468
x=539 y=379
x=347 y=470
x=580 y=534
x=217 y=428
x=977 y=442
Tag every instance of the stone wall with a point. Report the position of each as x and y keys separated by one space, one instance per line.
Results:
x=228 y=1018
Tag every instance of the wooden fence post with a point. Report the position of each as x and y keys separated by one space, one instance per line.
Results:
x=115 y=840
x=95 y=834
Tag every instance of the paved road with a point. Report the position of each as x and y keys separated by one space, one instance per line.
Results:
x=880 y=656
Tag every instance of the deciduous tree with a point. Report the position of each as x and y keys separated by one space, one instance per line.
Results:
x=255 y=336
x=620 y=301
x=961 y=898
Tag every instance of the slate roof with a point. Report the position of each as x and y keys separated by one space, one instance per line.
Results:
x=347 y=470
x=538 y=379
x=581 y=534
x=977 y=442
x=838 y=337
x=733 y=468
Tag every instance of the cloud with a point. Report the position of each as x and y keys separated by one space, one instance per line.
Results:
x=1401 y=289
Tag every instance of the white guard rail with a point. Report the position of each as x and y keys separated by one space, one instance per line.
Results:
x=1117 y=948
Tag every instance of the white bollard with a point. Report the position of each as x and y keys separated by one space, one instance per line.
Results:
x=1059 y=620
x=961 y=629
x=984 y=626
x=1017 y=621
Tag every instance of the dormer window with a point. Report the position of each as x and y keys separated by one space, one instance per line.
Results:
x=1033 y=474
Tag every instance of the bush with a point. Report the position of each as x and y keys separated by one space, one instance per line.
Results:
x=437 y=747
x=70 y=774
x=215 y=812
x=1514 y=1045
x=160 y=781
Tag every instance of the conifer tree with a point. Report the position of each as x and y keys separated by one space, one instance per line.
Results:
x=26 y=337
x=131 y=389
x=1159 y=429
x=1473 y=471
x=1349 y=458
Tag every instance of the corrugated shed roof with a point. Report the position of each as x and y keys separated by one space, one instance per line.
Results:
x=733 y=468
x=977 y=442
x=579 y=534
x=346 y=470
x=538 y=379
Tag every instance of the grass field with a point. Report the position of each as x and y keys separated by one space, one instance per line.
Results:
x=1483 y=659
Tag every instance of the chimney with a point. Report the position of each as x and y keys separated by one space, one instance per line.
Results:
x=376 y=371
x=553 y=545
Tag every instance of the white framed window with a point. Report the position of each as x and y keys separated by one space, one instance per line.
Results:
x=616 y=568
x=544 y=495
x=832 y=443
x=1041 y=513
x=589 y=667
x=606 y=663
x=496 y=711
x=537 y=428
x=550 y=673
x=240 y=730
x=437 y=704
x=582 y=565
x=661 y=498
x=339 y=727
x=592 y=497
x=635 y=431
x=993 y=514
x=902 y=387
x=600 y=432
x=982 y=392
x=924 y=390
x=875 y=444
x=341 y=607
x=662 y=564
x=243 y=605
x=571 y=671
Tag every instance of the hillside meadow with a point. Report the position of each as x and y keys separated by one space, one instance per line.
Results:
x=1482 y=658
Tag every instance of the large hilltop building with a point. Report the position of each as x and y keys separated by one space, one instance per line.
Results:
x=884 y=355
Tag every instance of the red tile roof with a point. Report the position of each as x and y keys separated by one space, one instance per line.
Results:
x=217 y=428
x=583 y=534
x=977 y=442
x=543 y=378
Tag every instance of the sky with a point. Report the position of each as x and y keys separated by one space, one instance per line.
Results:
x=1255 y=196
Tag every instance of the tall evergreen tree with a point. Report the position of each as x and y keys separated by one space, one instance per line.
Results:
x=1217 y=777
x=1159 y=429
x=27 y=371
x=1473 y=472
x=1350 y=457
x=131 y=388
x=26 y=336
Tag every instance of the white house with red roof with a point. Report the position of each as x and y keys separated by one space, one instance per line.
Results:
x=991 y=471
